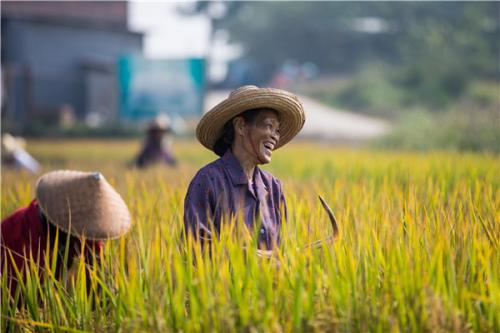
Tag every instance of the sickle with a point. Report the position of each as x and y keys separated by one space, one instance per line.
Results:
x=331 y=216
x=315 y=244
x=335 y=228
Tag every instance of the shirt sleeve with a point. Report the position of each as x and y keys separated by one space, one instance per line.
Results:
x=283 y=212
x=283 y=207
x=199 y=207
x=18 y=231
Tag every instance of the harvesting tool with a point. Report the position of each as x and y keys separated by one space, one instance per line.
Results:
x=316 y=244
x=333 y=222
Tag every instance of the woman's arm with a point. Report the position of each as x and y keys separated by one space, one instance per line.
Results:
x=199 y=208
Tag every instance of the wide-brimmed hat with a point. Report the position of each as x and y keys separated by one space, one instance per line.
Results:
x=292 y=117
x=11 y=143
x=83 y=204
x=160 y=123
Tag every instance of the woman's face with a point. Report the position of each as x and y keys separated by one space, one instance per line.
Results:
x=263 y=135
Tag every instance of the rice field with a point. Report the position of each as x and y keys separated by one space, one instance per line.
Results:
x=418 y=248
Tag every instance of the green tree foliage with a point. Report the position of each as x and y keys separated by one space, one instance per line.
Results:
x=433 y=49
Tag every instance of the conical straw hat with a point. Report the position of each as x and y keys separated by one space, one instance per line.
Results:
x=83 y=204
x=160 y=123
x=11 y=143
x=292 y=117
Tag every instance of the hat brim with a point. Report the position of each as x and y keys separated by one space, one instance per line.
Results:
x=290 y=109
x=11 y=143
x=82 y=204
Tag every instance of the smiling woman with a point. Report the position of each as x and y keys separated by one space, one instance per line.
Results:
x=243 y=130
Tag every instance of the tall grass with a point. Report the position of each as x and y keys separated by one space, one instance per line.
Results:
x=419 y=248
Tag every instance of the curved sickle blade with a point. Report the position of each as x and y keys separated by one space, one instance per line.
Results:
x=333 y=221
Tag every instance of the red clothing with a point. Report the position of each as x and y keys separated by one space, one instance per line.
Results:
x=24 y=235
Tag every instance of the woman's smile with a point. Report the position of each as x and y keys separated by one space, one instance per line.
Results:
x=263 y=136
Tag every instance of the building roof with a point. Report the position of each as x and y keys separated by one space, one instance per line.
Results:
x=111 y=14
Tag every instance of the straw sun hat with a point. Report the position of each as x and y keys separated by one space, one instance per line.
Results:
x=83 y=204
x=159 y=123
x=11 y=143
x=211 y=126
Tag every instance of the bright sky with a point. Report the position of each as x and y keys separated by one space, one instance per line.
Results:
x=167 y=33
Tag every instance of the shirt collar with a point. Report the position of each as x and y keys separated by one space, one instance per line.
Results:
x=238 y=177
x=233 y=167
x=260 y=186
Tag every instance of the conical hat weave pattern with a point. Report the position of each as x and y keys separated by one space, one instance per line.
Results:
x=83 y=204
x=292 y=117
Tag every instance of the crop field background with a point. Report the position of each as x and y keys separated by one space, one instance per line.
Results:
x=418 y=248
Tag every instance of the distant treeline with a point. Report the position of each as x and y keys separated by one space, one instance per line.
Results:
x=433 y=49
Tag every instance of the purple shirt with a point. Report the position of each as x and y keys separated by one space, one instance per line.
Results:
x=220 y=191
x=152 y=152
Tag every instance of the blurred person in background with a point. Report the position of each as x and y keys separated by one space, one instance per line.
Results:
x=15 y=156
x=77 y=207
x=158 y=144
x=243 y=130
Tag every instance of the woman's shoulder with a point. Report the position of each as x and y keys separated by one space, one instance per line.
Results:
x=205 y=180
x=208 y=171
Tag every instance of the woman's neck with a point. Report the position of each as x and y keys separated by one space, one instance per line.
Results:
x=247 y=161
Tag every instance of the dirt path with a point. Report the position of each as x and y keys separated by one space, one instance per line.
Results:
x=326 y=123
